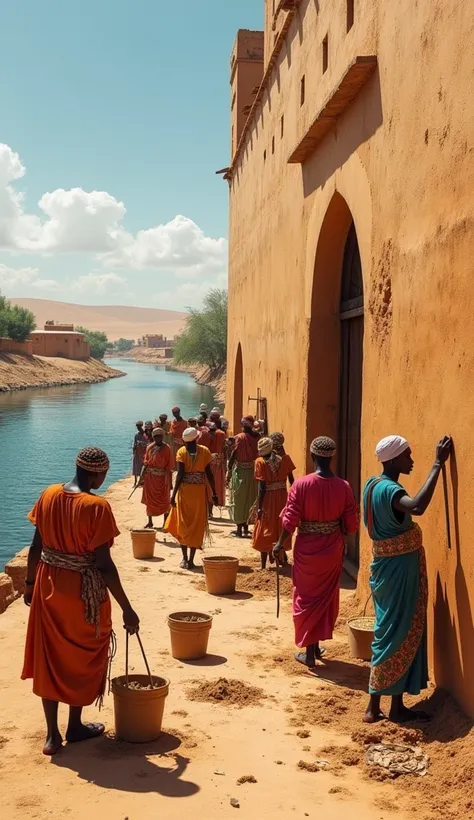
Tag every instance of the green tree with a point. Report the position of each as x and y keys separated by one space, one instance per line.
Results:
x=15 y=322
x=204 y=338
x=123 y=345
x=98 y=341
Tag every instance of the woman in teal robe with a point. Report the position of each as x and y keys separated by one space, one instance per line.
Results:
x=398 y=579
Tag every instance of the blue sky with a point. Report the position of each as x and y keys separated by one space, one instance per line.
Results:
x=129 y=100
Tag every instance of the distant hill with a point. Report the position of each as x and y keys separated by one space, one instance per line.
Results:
x=114 y=320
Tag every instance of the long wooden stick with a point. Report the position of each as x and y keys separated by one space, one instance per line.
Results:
x=446 y=505
x=278 y=586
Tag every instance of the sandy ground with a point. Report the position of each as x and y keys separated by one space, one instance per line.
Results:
x=206 y=747
x=19 y=372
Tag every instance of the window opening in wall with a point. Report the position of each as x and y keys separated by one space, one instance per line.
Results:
x=350 y=14
x=273 y=145
x=325 y=54
x=265 y=156
x=302 y=89
x=282 y=125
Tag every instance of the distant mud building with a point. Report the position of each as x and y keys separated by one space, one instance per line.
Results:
x=350 y=273
x=60 y=340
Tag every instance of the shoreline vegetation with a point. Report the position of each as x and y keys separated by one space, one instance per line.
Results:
x=207 y=376
x=19 y=371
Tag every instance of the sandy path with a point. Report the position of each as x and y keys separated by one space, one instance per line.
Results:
x=106 y=779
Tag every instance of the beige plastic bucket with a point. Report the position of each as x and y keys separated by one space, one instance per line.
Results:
x=361 y=636
x=143 y=543
x=189 y=638
x=139 y=712
x=221 y=574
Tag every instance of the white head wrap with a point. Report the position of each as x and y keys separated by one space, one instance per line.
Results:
x=391 y=447
x=190 y=434
x=265 y=446
x=203 y=407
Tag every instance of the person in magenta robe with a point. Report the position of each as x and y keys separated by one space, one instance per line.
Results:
x=323 y=508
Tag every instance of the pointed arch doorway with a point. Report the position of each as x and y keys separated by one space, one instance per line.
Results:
x=351 y=318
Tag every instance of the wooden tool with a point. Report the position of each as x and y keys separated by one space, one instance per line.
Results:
x=277 y=562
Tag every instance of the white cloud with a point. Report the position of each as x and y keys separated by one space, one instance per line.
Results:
x=14 y=280
x=91 y=222
x=99 y=284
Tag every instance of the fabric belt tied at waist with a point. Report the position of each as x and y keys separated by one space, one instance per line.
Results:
x=318 y=527
x=246 y=465
x=277 y=485
x=219 y=457
x=193 y=478
x=410 y=541
x=155 y=470
x=93 y=589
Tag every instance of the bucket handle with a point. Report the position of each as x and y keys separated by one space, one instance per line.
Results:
x=366 y=604
x=127 y=638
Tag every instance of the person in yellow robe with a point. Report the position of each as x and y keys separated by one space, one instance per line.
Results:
x=188 y=519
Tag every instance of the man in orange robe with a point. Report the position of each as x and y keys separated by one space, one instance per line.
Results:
x=69 y=572
x=156 y=475
x=271 y=473
x=216 y=448
x=177 y=428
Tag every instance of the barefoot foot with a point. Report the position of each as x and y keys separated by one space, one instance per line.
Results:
x=86 y=731
x=371 y=716
x=405 y=715
x=52 y=745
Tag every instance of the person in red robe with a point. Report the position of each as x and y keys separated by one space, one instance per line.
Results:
x=272 y=471
x=177 y=428
x=216 y=448
x=157 y=478
x=69 y=573
x=323 y=508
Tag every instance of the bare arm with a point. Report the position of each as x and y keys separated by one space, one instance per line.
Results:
x=178 y=482
x=34 y=556
x=418 y=505
x=210 y=478
x=109 y=572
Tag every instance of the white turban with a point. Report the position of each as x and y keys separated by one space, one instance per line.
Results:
x=203 y=407
x=391 y=447
x=190 y=434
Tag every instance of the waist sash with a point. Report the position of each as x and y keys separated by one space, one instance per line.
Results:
x=246 y=465
x=155 y=470
x=93 y=589
x=409 y=541
x=277 y=485
x=193 y=478
x=318 y=527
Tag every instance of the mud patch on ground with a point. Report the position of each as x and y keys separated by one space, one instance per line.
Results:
x=228 y=691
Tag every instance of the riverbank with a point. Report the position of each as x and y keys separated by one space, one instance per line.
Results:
x=21 y=372
x=246 y=723
x=206 y=376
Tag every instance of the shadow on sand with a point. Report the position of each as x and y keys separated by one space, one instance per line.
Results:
x=126 y=767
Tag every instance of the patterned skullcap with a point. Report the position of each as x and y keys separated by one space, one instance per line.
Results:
x=93 y=460
x=192 y=422
x=323 y=447
x=190 y=434
x=247 y=421
x=157 y=431
x=203 y=407
x=163 y=416
x=148 y=424
x=265 y=446
x=278 y=439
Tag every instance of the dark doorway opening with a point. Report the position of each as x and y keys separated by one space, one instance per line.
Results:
x=351 y=315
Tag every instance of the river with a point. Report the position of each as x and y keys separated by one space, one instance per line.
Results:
x=41 y=432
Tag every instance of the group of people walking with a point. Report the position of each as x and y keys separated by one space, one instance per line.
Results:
x=71 y=570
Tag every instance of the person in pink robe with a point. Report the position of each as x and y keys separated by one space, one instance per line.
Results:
x=323 y=508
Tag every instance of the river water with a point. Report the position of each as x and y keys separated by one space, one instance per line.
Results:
x=41 y=431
